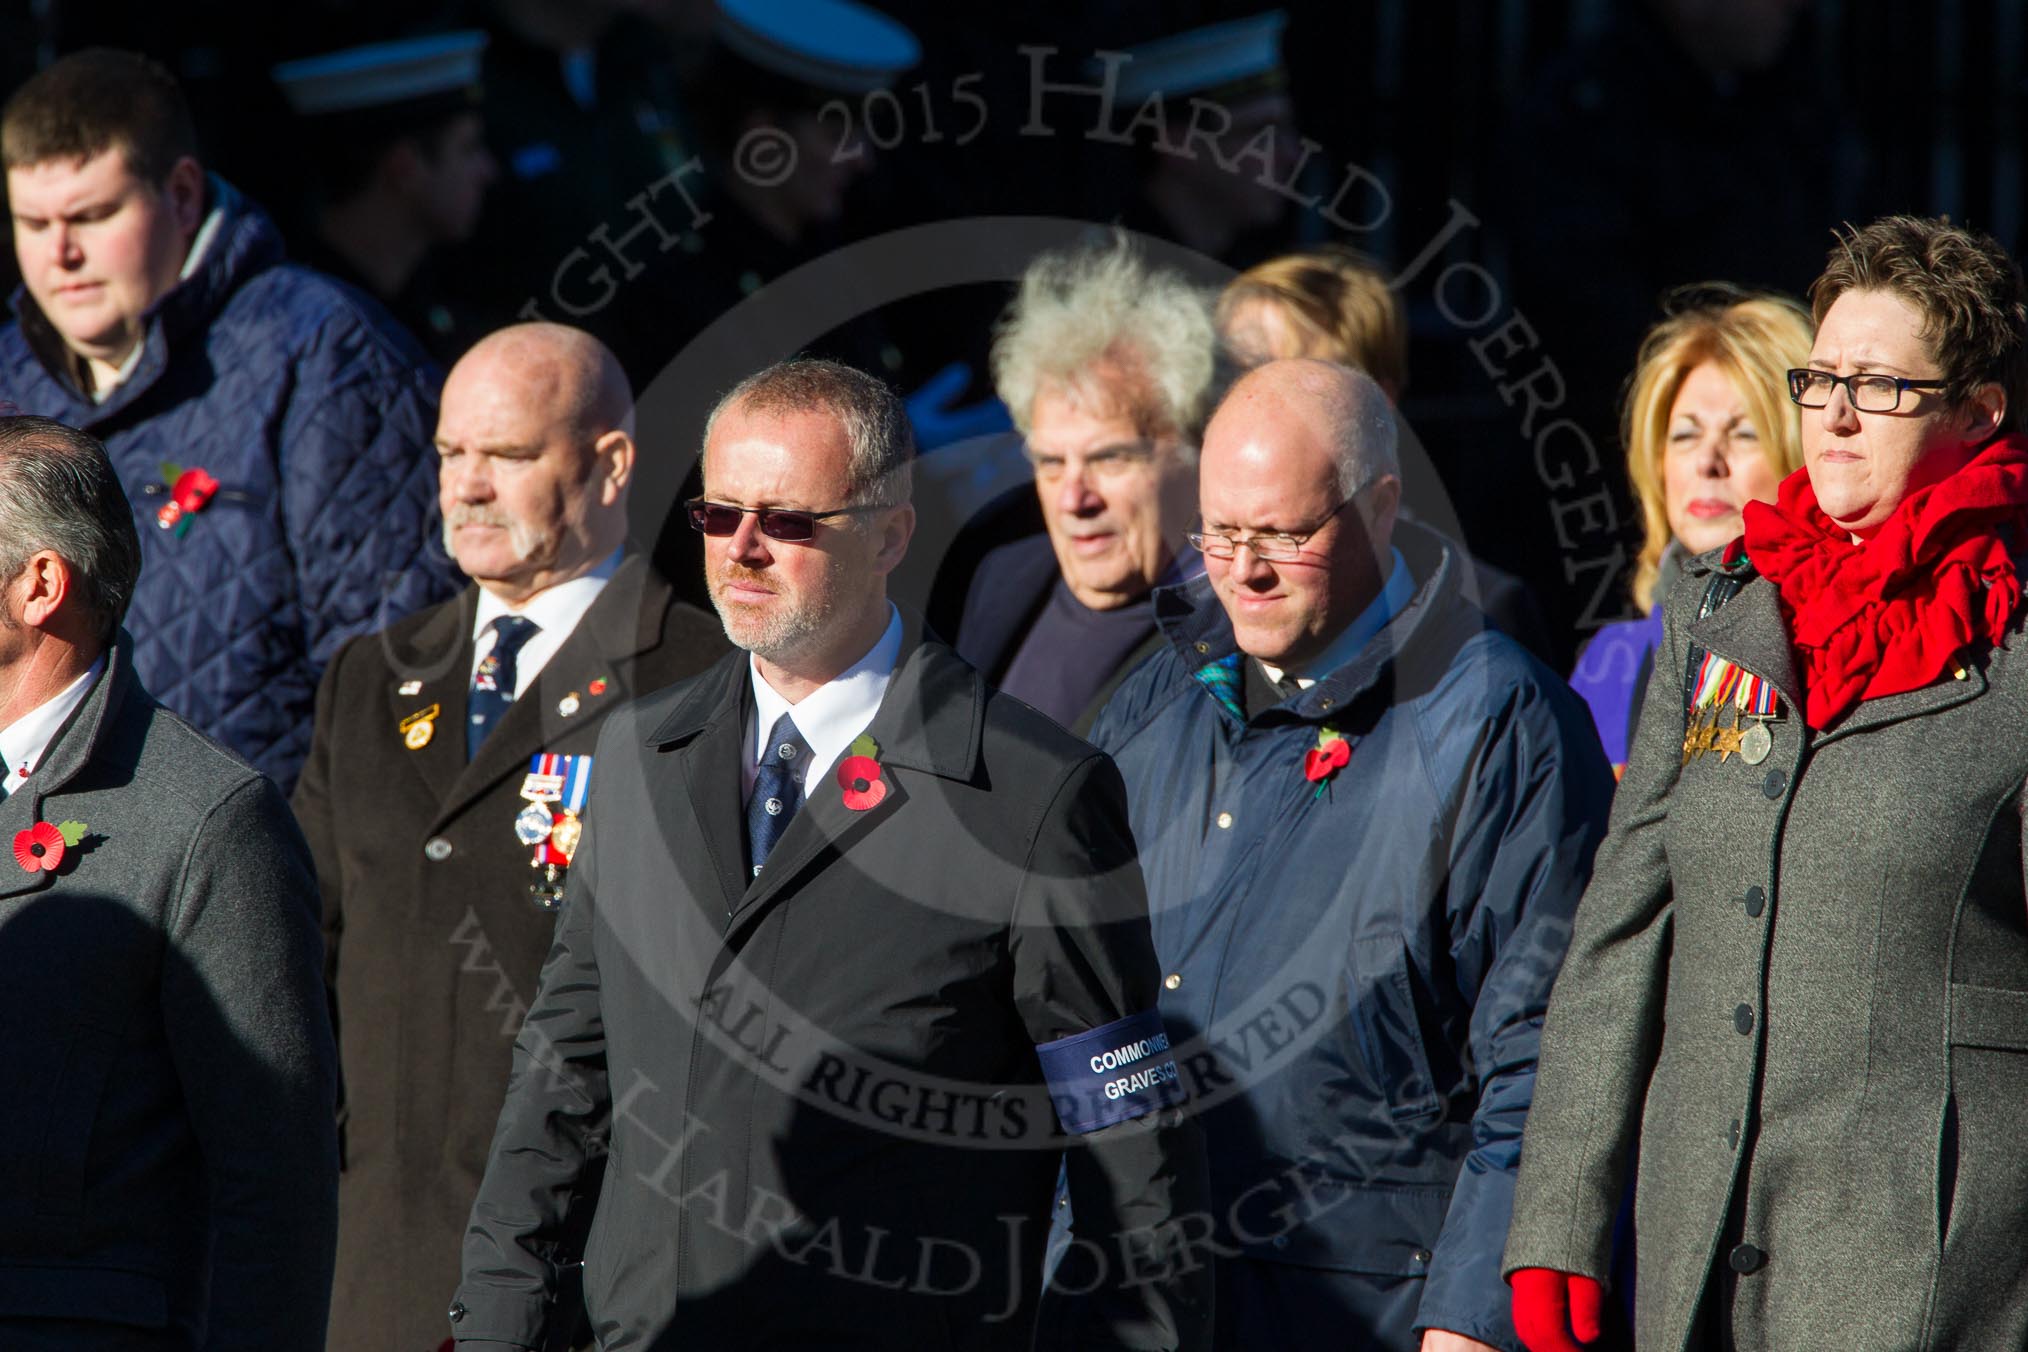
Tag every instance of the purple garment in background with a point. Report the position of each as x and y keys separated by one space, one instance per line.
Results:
x=1608 y=677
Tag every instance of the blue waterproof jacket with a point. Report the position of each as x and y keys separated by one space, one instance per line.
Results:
x=1355 y=969
x=315 y=412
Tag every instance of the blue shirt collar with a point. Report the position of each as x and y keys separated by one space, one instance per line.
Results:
x=1394 y=595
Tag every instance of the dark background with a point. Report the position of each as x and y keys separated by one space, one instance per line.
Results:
x=1599 y=164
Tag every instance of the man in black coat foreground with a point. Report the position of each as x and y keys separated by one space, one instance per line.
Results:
x=836 y=1054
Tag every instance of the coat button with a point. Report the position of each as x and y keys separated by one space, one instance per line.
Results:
x=1225 y=821
x=1732 y=1134
x=1173 y=980
x=1746 y=1258
x=1742 y=1019
x=1773 y=785
x=1756 y=901
x=457 y=1310
x=437 y=850
x=1421 y=1256
x=1281 y=1241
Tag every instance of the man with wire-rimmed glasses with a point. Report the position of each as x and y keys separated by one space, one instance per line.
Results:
x=1365 y=818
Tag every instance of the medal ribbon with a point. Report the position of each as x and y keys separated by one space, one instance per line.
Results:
x=1720 y=681
x=576 y=772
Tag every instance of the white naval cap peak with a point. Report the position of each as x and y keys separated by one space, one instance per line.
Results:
x=382 y=74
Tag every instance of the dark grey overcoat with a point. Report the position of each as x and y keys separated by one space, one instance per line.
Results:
x=433 y=940
x=1801 y=986
x=168 y=1164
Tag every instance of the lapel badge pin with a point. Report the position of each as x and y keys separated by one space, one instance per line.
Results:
x=419 y=727
x=568 y=705
x=410 y=688
x=597 y=686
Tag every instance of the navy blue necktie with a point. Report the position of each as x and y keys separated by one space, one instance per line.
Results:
x=776 y=794
x=493 y=682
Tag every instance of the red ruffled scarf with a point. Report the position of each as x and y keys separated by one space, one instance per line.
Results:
x=1893 y=613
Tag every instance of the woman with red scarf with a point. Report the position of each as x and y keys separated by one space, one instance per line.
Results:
x=1797 y=988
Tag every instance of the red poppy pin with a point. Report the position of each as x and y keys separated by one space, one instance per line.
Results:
x=190 y=491
x=859 y=774
x=39 y=849
x=1324 y=760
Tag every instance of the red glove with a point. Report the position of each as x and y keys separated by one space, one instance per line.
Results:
x=1550 y=1307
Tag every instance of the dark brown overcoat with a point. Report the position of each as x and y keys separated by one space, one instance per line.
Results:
x=433 y=940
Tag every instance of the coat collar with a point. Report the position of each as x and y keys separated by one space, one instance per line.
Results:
x=1750 y=632
x=1429 y=626
x=81 y=738
x=931 y=718
x=930 y=721
x=246 y=243
x=625 y=621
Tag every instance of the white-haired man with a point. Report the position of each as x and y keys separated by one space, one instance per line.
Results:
x=1366 y=818
x=1109 y=367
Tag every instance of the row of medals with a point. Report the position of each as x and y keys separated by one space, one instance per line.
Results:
x=1747 y=735
x=536 y=825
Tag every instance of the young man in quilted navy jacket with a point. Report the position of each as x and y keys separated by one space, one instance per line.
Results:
x=271 y=428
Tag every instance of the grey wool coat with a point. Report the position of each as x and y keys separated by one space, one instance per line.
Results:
x=168 y=1160
x=1800 y=988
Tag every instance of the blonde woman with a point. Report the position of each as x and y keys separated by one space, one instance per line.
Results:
x=1328 y=303
x=1332 y=304
x=1708 y=428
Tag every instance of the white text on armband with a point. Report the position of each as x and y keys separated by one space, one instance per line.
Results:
x=1127 y=1055
x=1141 y=1079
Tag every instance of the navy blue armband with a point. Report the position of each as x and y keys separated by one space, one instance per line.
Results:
x=1110 y=1074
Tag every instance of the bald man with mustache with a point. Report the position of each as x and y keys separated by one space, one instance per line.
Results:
x=451 y=753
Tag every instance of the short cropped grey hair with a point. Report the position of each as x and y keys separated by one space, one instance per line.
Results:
x=58 y=492
x=1080 y=308
x=876 y=425
x=1367 y=440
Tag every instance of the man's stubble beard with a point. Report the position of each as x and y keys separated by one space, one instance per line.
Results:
x=773 y=633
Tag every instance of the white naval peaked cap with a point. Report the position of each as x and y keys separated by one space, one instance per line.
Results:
x=1235 y=54
x=839 y=46
x=443 y=67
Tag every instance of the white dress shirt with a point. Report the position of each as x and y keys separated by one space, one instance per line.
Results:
x=830 y=717
x=555 y=611
x=25 y=741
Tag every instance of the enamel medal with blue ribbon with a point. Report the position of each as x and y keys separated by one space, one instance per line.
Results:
x=556 y=788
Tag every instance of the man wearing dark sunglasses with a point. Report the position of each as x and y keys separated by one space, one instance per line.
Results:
x=856 y=948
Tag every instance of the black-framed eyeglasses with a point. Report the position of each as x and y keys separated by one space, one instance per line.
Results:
x=787 y=524
x=1267 y=546
x=1868 y=393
